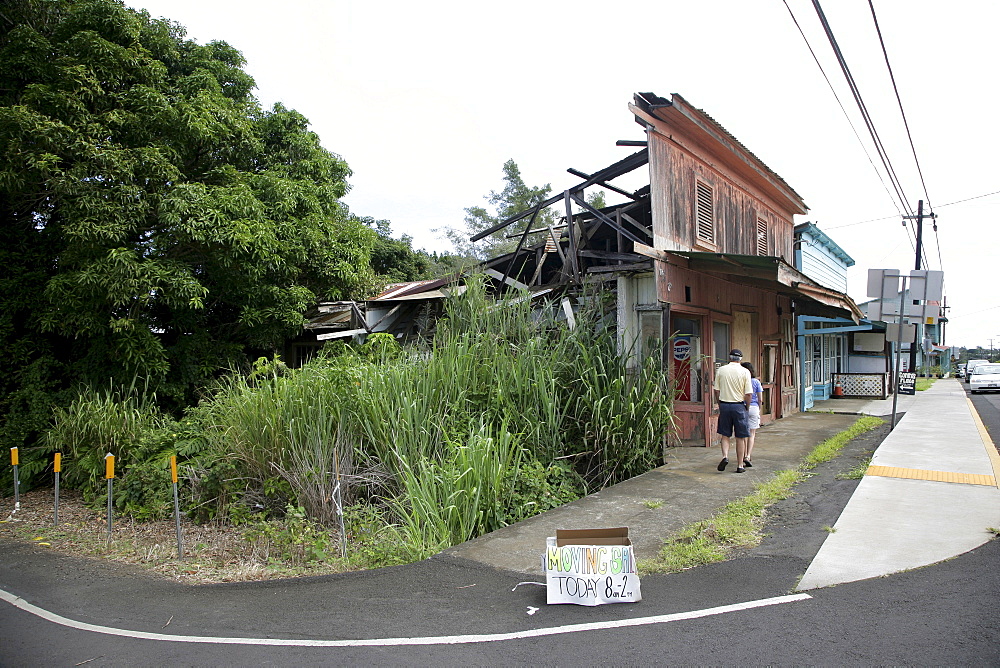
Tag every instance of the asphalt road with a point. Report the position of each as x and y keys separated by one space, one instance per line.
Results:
x=448 y=611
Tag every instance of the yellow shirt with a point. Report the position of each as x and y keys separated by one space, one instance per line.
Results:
x=733 y=382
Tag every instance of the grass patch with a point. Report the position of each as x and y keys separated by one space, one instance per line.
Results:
x=740 y=523
x=924 y=383
x=858 y=472
x=831 y=447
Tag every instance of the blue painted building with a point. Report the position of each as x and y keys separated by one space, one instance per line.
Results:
x=833 y=350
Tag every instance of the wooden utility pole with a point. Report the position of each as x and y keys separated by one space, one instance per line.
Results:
x=920 y=240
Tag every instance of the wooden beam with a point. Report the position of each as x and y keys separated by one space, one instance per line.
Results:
x=610 y=255
x=340 y=335
x=620 y=168
x=605 y=219
x=636 y=266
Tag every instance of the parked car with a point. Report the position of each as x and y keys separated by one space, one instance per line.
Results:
x=985 y=378
x=971 y=365
x=961 y=371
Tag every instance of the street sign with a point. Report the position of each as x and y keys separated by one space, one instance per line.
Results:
x=907 y=383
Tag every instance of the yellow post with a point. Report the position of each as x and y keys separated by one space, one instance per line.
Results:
x=58 y=462
x=57 y=467
x=109 y=473
x=177 y=506
x=17 y=480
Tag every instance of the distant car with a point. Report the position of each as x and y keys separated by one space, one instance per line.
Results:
x=961 y=371
x=985 y=378
x=970 y=367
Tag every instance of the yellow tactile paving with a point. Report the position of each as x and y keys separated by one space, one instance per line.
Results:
x=937 y=476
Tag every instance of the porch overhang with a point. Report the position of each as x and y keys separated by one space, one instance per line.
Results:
x=766 y=273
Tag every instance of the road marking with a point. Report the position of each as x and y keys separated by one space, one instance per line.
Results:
x=19 y=602
x=991 y=448
x=937 y=476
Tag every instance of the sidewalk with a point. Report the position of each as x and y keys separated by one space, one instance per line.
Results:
x=910 y=514
x=930 y=493
x=657 y=504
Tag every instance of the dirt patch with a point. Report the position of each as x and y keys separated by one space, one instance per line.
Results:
x=212 y=552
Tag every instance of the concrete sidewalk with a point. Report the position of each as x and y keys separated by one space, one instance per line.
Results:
x=930 y=493
x=892 y=523
x=657 y=504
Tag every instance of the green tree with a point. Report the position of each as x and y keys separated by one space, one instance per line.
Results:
x=154 y=220
x=515 y=197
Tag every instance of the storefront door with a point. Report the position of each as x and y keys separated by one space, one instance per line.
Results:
x=687 y=374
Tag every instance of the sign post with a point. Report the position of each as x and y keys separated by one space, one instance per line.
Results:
x=926 y=292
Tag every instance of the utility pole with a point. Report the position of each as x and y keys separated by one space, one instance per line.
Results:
x=920 y=239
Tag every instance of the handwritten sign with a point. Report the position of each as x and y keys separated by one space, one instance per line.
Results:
x=907 y=383
x=590 y=574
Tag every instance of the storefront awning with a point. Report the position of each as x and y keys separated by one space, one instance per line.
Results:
x=766 y=273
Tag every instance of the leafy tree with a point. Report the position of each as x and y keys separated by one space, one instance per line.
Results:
x=515 y=197
x=155 y=221
x=395 y=260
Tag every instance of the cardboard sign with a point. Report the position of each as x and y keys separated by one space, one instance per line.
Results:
x=907 y=383
x=590 y=567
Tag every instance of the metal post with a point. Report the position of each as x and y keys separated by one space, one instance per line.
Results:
x=109 y=473
x=58 y=470
x=337 y=499
x=17 y=481
x=177 y=506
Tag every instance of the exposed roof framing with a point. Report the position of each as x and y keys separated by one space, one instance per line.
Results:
x=609 y=173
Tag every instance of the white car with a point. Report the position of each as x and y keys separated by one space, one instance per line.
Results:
x=985 y=378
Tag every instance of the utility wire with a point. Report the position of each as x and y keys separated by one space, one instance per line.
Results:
x=909 y=136
x=941 y=206
x=892 y=77
x=879 y=146
x=842 y=108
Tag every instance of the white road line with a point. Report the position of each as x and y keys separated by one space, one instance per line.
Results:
x=19 y=602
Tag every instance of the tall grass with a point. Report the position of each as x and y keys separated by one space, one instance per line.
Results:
x=506 y=373
x=119 y=421
x=449 y=439
x=284 y=424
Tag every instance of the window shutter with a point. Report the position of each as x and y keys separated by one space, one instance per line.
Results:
x=705 y=212
x=761 y=237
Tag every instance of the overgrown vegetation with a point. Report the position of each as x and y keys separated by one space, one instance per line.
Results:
x=739 y=524
x=504 y=414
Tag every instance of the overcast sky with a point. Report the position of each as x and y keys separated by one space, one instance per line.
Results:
x=427 y=100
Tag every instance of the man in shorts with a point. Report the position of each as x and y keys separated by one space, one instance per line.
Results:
x=732 y=389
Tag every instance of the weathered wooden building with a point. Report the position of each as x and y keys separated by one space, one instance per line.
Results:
x=701 y=259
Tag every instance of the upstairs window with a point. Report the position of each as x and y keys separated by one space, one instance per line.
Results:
x=705 y=211
x=762 y=237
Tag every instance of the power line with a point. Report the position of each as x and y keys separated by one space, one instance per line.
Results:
x=940 y=206
x=862 y=107
x=899 y=101
x=842 y=108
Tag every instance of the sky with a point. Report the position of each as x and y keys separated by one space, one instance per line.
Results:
x=427 y=100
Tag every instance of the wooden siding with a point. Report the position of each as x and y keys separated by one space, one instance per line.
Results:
x=757 y=318
x=820 y=264
x=674 y=173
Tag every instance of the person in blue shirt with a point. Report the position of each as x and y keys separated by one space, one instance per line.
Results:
x=753 y=416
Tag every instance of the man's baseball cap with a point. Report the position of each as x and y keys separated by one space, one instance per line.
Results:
x=736 y=352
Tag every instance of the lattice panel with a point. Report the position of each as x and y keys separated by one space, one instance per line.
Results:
x=861 y=385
